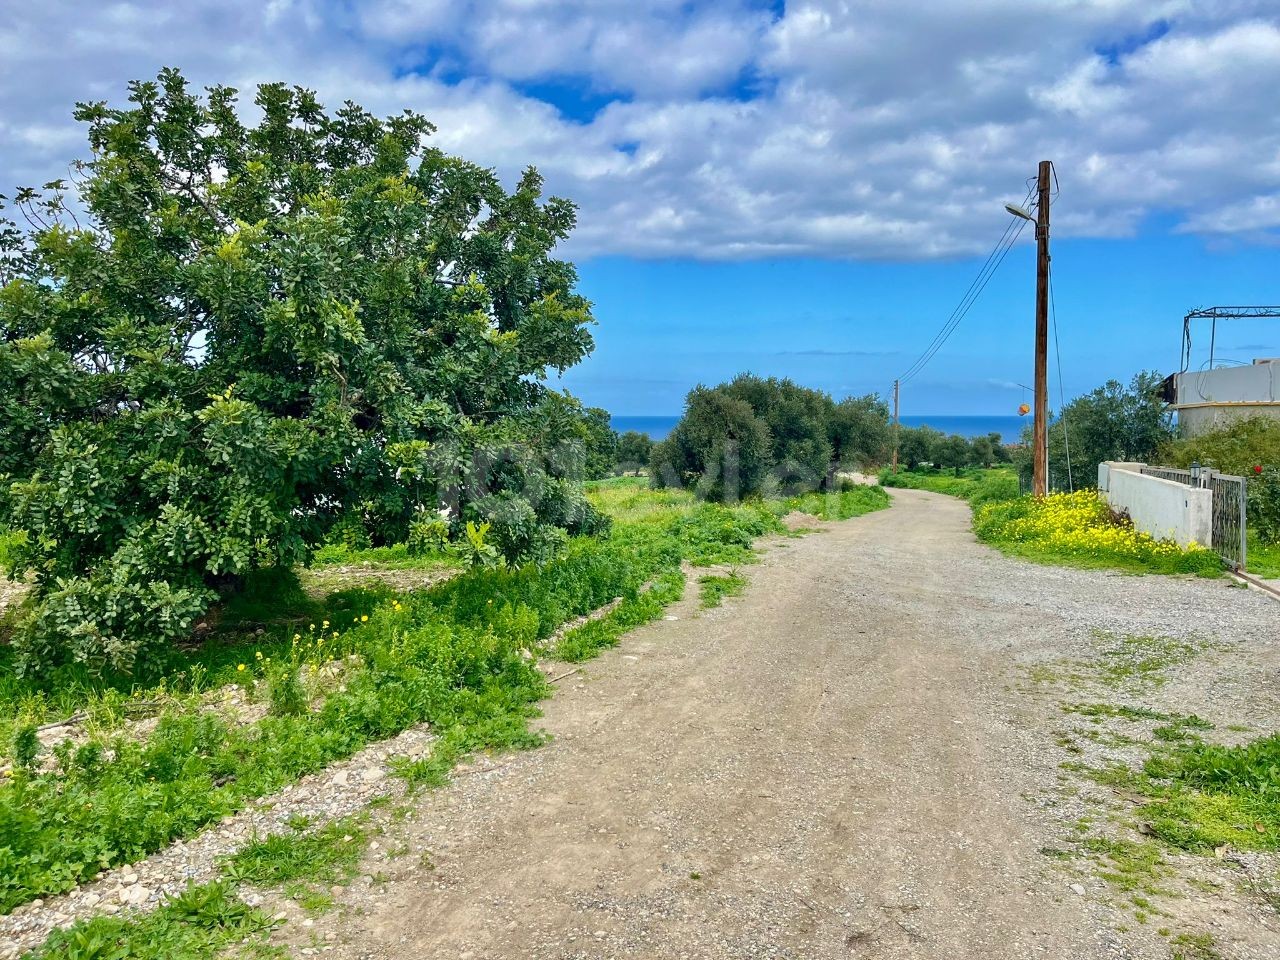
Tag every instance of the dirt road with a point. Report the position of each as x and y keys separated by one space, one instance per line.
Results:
x=843 y=762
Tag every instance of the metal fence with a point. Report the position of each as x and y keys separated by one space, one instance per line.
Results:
x=1230 y=494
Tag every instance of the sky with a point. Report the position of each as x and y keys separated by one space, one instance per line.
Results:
x=803 y=188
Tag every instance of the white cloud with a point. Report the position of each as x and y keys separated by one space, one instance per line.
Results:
x=876 y=129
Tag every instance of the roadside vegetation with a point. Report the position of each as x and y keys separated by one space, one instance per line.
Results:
x=460 y=656
x=1079 y=529
x=1072 y=529
x=1173 y=783
x=1250 y=449
x=975 y=484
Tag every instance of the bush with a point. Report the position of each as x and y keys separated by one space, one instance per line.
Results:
x=720 y=448
x=754 y=436
x=634 y=450
x=1236 y=449
x=260 y=337
x=1113 y=422
x=1248 y=448
x=1264 y=504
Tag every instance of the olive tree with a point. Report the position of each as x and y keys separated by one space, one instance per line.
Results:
x=227 y=336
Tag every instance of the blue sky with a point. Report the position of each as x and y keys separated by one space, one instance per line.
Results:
x=851 y=328
x=802 y=188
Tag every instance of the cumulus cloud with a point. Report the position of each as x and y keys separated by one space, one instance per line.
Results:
x=739 y=128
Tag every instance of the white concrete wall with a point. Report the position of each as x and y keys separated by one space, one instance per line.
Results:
x=1163 y=508
x=1105 y=468
x=1257 y=382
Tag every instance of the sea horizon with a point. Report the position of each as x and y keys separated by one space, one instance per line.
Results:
x=657 y=426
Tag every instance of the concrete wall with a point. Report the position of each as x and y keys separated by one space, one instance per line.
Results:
x=1163 y=508
x=1212 y=399
x=1204 y=418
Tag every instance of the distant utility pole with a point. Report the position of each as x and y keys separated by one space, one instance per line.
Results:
x=895 y=426
x=1040 y=429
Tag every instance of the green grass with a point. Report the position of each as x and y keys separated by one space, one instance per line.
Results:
x=1199 y=796
x=302 y=864
x=1195 y=946
x=975 y=484
x=203 y=921
x=842 y=505
x=1129 y=865
x=1264 y=561
x=1138 y=662
x=395 y=557
x=451 y=656
x=716 y=588
x=630 y=498
x=1205 y=795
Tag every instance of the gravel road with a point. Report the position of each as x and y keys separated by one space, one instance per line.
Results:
x=847 y=761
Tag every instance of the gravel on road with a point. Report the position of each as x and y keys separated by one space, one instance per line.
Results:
x=851 y=760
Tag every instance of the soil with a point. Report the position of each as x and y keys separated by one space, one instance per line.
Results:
x=860 y=757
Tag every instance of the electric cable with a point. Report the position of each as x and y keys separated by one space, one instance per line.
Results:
x=987 y=271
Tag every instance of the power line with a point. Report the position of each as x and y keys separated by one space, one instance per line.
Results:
x=987 y=271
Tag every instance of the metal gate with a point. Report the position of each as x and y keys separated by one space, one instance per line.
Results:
x=1230 y=495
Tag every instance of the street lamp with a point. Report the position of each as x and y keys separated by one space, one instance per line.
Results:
x=1195 y=473
x=1018 y=211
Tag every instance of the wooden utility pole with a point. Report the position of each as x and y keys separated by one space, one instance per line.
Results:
x=1040 y=429
x=895 y=426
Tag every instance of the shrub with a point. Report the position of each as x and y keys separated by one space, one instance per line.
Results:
x=720 y=448
x=286 y=696
x=1113 y=422
x=1235 y=449
x=633 y=451
x=1264 y=504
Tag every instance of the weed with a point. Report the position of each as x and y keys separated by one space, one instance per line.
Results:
x=325 y=855
x=1098 y=712
x=1195 y=946
x=1078 y=529
x=715 y=588
x=1128 y=865
x=1137 y=662
x=202 y=921
x=285 y=692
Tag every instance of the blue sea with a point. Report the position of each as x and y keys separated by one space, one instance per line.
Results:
x=1009 y=428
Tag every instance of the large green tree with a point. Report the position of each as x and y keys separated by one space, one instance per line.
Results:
x=720 y=448
x=227 y=336
x=756 y=435
x=860 y=433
